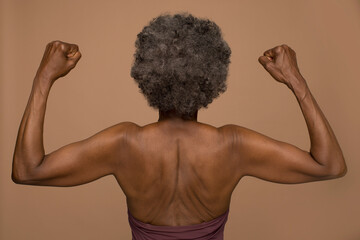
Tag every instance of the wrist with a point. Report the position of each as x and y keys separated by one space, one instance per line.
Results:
x=43 y=84
x=299 y=87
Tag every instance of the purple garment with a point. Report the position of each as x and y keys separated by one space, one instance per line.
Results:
x=211 y=230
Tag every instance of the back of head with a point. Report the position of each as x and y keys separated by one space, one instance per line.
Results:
x=181 y=63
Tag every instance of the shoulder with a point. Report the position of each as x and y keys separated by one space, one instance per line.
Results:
x=117 y=138
x=123 y=128
x=232 y=130
x=241 y=136
x=117 y=133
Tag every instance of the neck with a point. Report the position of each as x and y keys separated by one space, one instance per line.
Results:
x=173 y=115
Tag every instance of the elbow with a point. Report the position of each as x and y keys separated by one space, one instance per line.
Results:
x=18 y=173
x=20 y=177
x=16 y=178
x=338 y=171
x=23 y=172
x=22 y=180
x=342 y=172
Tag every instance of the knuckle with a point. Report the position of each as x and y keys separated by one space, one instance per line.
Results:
x=279 y=49
x=56 y=43
x=75 y=47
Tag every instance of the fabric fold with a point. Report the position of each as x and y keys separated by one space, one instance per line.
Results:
x=211 y=230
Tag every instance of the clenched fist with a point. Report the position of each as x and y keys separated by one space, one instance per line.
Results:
x=59 y=58
x=281 y=63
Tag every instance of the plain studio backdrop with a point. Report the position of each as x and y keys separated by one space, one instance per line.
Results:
x=99 y=93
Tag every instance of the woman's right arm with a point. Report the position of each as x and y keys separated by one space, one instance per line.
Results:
x=276 y=161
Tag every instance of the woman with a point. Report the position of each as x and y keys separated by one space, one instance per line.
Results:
x=177 y=174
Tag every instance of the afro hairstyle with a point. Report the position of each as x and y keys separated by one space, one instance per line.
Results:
x=180 y=63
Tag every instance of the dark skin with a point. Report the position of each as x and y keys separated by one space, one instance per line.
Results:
x=176 y=171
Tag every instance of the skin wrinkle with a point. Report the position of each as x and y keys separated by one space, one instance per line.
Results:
x=196 y=174
x=197 y=197
x=177 y=173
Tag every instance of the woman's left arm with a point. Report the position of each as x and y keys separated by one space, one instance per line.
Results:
x=73 y=164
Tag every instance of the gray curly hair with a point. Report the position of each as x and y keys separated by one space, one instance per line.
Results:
x=181 y=63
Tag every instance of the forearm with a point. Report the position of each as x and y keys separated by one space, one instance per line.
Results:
x=29 y=149
x=325 y=148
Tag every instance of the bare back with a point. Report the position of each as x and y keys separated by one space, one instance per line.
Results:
x=177 y=173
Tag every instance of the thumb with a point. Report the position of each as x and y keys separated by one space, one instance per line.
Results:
x=72 y=49
x=74 y=59
x=266 y=62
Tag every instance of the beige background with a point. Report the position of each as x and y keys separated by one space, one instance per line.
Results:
x=100 y=92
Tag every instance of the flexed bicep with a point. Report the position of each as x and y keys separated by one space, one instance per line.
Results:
x=81 y=162
x=276 y=161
